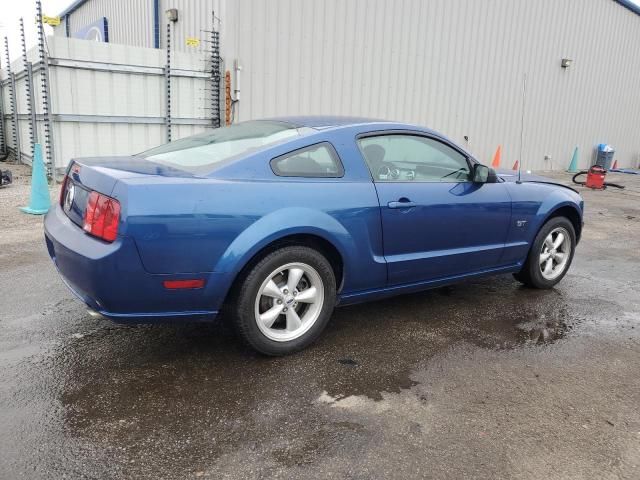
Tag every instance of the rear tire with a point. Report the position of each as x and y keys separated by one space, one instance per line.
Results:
x=550 y=255
x=285 y=301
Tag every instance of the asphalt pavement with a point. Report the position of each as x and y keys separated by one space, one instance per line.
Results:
x=486 y=379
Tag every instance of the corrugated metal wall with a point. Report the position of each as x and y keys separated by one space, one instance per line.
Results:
x=130 y=22
x=454 y=65
x=194 y=20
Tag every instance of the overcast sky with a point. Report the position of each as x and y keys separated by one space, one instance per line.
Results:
x=12 y=10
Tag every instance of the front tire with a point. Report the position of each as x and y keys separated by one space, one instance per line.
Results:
x=285 y=301
x=550 y=256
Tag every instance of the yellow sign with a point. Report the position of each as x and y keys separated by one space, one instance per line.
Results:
x=53 y=21
x=193 y=42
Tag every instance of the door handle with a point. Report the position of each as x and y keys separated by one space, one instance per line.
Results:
x=403 y=202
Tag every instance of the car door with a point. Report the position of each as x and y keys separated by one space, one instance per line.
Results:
x=436 y=222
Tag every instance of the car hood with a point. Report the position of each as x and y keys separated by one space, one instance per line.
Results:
x=512 y=176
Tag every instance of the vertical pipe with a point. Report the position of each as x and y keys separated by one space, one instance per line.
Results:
x=46 y=105
x=167 y=82
x=33 y=135
x=14 y=105
x=156 y=23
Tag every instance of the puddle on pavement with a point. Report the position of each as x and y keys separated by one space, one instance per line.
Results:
x=195 y=383
x=378 y=345
x=543 y=331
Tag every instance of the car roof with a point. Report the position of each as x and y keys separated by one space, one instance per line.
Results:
x=328 y=122
x=321 y=122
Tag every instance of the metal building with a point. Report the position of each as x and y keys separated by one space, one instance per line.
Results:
x=454 y=65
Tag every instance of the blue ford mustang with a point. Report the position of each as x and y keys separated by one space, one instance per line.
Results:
x=274 y=222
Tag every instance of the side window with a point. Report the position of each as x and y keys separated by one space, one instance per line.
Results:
x=320 y=160
x=412 y=158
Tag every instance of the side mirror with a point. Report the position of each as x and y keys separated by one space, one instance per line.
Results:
x=480 y=173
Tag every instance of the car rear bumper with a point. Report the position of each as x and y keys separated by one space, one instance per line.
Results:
x=110 y=279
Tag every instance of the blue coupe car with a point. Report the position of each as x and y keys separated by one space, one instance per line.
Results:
x=275 y=222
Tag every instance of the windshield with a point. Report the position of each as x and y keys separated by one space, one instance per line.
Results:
x=205 y=151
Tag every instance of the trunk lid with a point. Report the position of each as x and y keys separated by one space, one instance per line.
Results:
x=100 y=174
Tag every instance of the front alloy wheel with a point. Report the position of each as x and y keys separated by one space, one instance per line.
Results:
x=550 y=255
x=555 y=252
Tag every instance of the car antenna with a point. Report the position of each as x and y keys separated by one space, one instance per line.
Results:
x=524 y=95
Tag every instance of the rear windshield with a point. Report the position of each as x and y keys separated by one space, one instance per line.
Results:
x=203 y=152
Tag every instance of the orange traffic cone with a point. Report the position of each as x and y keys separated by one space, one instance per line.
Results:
x=615 y=165
x=516 y=165
x=496 y=157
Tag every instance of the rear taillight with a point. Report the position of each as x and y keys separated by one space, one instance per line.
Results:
x=102 y=216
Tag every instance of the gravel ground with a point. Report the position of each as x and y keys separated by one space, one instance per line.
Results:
x=481 y=380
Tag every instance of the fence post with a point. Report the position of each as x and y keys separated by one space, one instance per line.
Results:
x=215 y=73
x=28 y=70
x=46 y=106
x=167 y=83
x=14 y=105
x=3 y=138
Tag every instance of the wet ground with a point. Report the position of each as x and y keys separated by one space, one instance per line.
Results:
x=481 y=380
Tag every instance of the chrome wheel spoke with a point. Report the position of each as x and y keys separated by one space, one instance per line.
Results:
x=269 y=317
x=293 y=320
x=549 y=242
x=272 y=290
x=559 y=257
x=307 y=296
x=544 y=257
x=548 y=266
x=295 y=274
x=559 y=240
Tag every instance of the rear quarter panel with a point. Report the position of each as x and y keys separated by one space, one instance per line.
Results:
x=209 y=225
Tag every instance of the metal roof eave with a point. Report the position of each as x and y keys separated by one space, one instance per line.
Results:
x=72 y=8
x=628 y=4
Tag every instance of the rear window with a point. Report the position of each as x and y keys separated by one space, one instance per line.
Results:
x=205 y=151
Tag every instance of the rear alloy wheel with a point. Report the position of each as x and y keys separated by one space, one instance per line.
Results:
x=550 y=255
x=285 y=301
x=289 y=302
